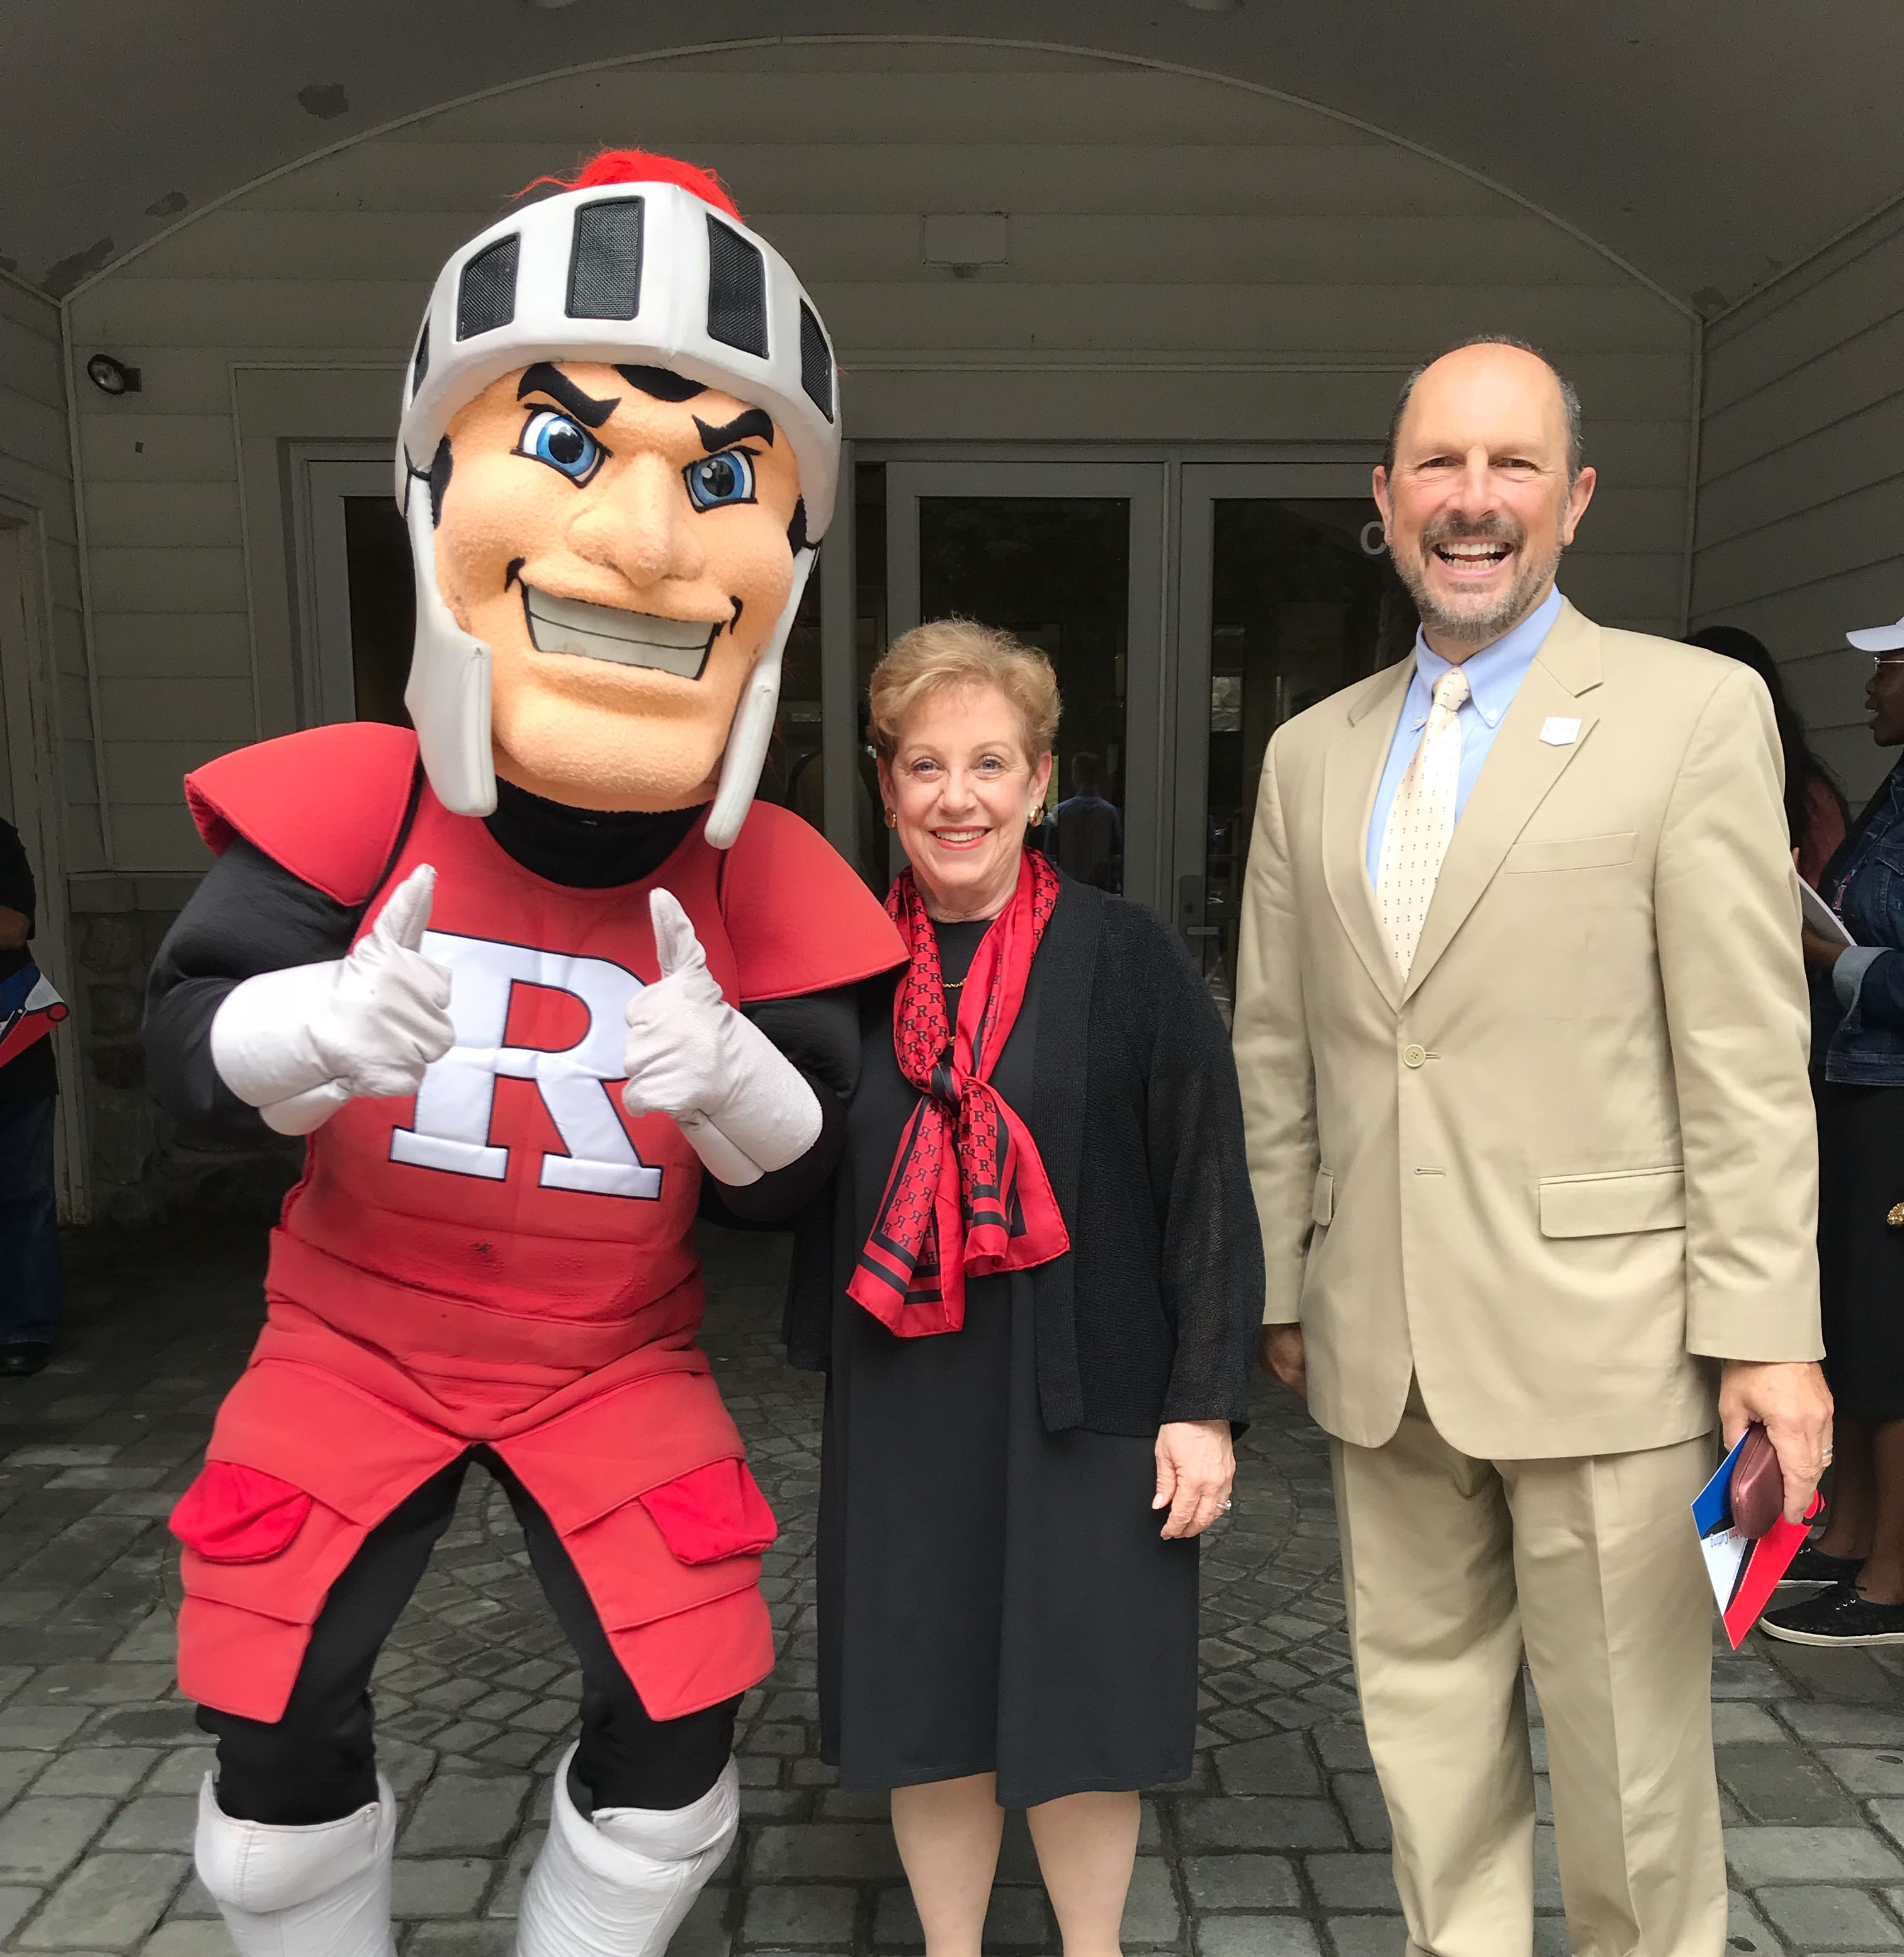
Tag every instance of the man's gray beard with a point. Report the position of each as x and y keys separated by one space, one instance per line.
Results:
x=1477 y=628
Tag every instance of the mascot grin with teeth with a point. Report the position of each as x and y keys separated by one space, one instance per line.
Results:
x=524 y=978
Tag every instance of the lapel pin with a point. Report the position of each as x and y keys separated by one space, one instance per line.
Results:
x=1557 y=732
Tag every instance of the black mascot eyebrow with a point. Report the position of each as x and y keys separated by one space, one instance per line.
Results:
x=545 y=378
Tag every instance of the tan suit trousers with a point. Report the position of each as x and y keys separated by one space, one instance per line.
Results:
x=1453 y=1567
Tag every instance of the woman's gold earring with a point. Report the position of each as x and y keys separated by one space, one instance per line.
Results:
x=892 y=818
x=1036 y=818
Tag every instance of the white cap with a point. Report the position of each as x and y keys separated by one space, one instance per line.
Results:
x=1879 y=638
x=639 y=274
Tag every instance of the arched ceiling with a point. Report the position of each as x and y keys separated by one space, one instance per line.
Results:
x=1709 y=143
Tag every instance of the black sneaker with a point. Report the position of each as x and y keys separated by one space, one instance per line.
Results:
x=22 y=1361
x=1812 y=1566
x=1840 y=1616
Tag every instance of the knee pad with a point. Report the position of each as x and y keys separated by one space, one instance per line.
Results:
x=619 y=1886
x=322 y=1891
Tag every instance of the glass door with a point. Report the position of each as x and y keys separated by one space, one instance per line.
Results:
x=1069 y=556
x=1286 y=596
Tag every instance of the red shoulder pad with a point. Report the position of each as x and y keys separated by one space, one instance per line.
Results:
x=797 y=917
x=328 y=803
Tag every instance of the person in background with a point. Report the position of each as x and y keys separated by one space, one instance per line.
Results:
x=30 y=1273
x=1090 y=831
x=1815 y=810
x=1034 y=1288
x=1859 y=1555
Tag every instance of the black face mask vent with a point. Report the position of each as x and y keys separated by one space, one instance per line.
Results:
x=485 y=294
x=605 y=261
x=736 y=291
x=421 y=365
x=816 y=362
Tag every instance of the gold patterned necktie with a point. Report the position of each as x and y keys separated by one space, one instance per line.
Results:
x=1420 y=823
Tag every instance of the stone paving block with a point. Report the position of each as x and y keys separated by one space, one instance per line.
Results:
x=187 y=1940
x=1352 y=1882
x=506 y=1898
x=702 y=1932
x=17 y=1769
x=107 y=1902
x=154 y=1821
x=460 y=1814
x=439 y=1885
x=97 y=1770
x=184 y=1768
x=1864 y=1771
x=1739 y=1723
x=1240 y=1822
x=1279 y=1764
x=1256 y=1936
x=1367 y=1936
x=1245 y=1881
x=801 y=1913
x=1342 y=1746
x=1825 y=1916
x=464 y=1939
x=1747 y=1931
x=40 y=1839
x=1359 y=1796
x=1854 y=1677
x=15 y=1901
x=40 y=1728
x=857 y=1849
x=1758 y=1855
x=1547 y=1870
x=1783 y=1783
x=1017 y=1919
x=1151 y=1914
x=170 y=1726
x=1837 y=1725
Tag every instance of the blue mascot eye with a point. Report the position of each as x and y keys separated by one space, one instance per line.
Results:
x=551 y=437
x=718 y=480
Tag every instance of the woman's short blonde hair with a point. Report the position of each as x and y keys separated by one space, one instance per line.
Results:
x=945 y=653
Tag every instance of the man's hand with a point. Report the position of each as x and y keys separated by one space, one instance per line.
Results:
x=1818 y=949
x=1280 y=1350
x=1790 y=1401
x=1196 y=1464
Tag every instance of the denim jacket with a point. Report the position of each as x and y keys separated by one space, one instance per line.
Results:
x=1865 y=993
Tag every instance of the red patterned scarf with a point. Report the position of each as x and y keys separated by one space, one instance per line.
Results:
x=968 y=1193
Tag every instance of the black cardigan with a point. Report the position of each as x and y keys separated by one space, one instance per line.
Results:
x=1154 y=1314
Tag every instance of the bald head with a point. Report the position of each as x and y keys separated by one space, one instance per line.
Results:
x=1482 y=490
x=1511 y=360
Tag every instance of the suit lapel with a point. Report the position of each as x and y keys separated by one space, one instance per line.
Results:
x=1351 y=773
x=1514 y=780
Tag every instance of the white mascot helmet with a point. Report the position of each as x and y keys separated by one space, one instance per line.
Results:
x=642 y=273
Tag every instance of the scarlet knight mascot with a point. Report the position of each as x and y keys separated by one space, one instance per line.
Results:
x=520 y=977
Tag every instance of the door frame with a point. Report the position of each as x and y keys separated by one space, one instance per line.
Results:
x=323 y=474
x=27 y=695
x=1202 y=486
x=1149 y=698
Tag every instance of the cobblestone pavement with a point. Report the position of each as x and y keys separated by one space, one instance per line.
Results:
x=1275 y=1848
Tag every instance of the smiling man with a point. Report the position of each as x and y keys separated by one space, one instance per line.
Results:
x=1522 y=1031
x=531 y=979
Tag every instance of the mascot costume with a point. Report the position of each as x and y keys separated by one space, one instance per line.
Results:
x=521 y=977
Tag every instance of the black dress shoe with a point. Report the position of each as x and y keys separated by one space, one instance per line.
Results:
x=1812 y=1566
x=20 y=1361
x=1840 y=1616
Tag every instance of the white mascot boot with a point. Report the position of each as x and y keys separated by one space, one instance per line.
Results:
x=619 y=1885
x=322 y=1891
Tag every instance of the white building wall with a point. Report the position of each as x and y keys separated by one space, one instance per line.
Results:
x=1189 y=262
x=1801 y=529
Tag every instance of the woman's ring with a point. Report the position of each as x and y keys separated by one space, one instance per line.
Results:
x=1223 y=1506
x=1827 y=1457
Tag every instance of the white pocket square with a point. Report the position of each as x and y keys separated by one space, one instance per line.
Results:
x=1557 y=732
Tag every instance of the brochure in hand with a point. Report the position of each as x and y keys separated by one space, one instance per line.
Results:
x=30 y=1009
x=1744 y=1570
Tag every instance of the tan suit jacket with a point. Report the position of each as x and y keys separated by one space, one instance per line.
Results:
x=1576 y=1150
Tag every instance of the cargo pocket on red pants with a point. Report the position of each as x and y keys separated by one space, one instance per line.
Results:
x=712 y=1513
x=235 y=1514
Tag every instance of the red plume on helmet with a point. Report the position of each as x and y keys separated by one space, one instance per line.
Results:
x=623 y=167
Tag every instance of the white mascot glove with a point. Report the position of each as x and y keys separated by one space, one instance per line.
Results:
x=296 y=1044
x=744 y=1108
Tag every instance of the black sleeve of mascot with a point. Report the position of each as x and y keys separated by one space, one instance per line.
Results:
x=249 y=916
x=820 y=1034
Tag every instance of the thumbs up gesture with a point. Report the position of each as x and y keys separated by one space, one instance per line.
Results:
x=744 y=1109
x=298 y=1044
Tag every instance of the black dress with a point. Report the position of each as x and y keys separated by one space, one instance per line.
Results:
x=1861 y=1254
x=993 y=1597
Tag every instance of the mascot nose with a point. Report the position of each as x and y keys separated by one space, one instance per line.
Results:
x=642 y=526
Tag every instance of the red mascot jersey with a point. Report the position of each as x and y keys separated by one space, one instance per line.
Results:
x=508 y=1257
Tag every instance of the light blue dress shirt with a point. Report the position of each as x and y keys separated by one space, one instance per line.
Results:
x=1494 y=675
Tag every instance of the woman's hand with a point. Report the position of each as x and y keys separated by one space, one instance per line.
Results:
x=1819 y=949
x=1195 y=1466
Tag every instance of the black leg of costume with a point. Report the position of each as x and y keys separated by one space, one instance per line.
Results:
x=317 y=1763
